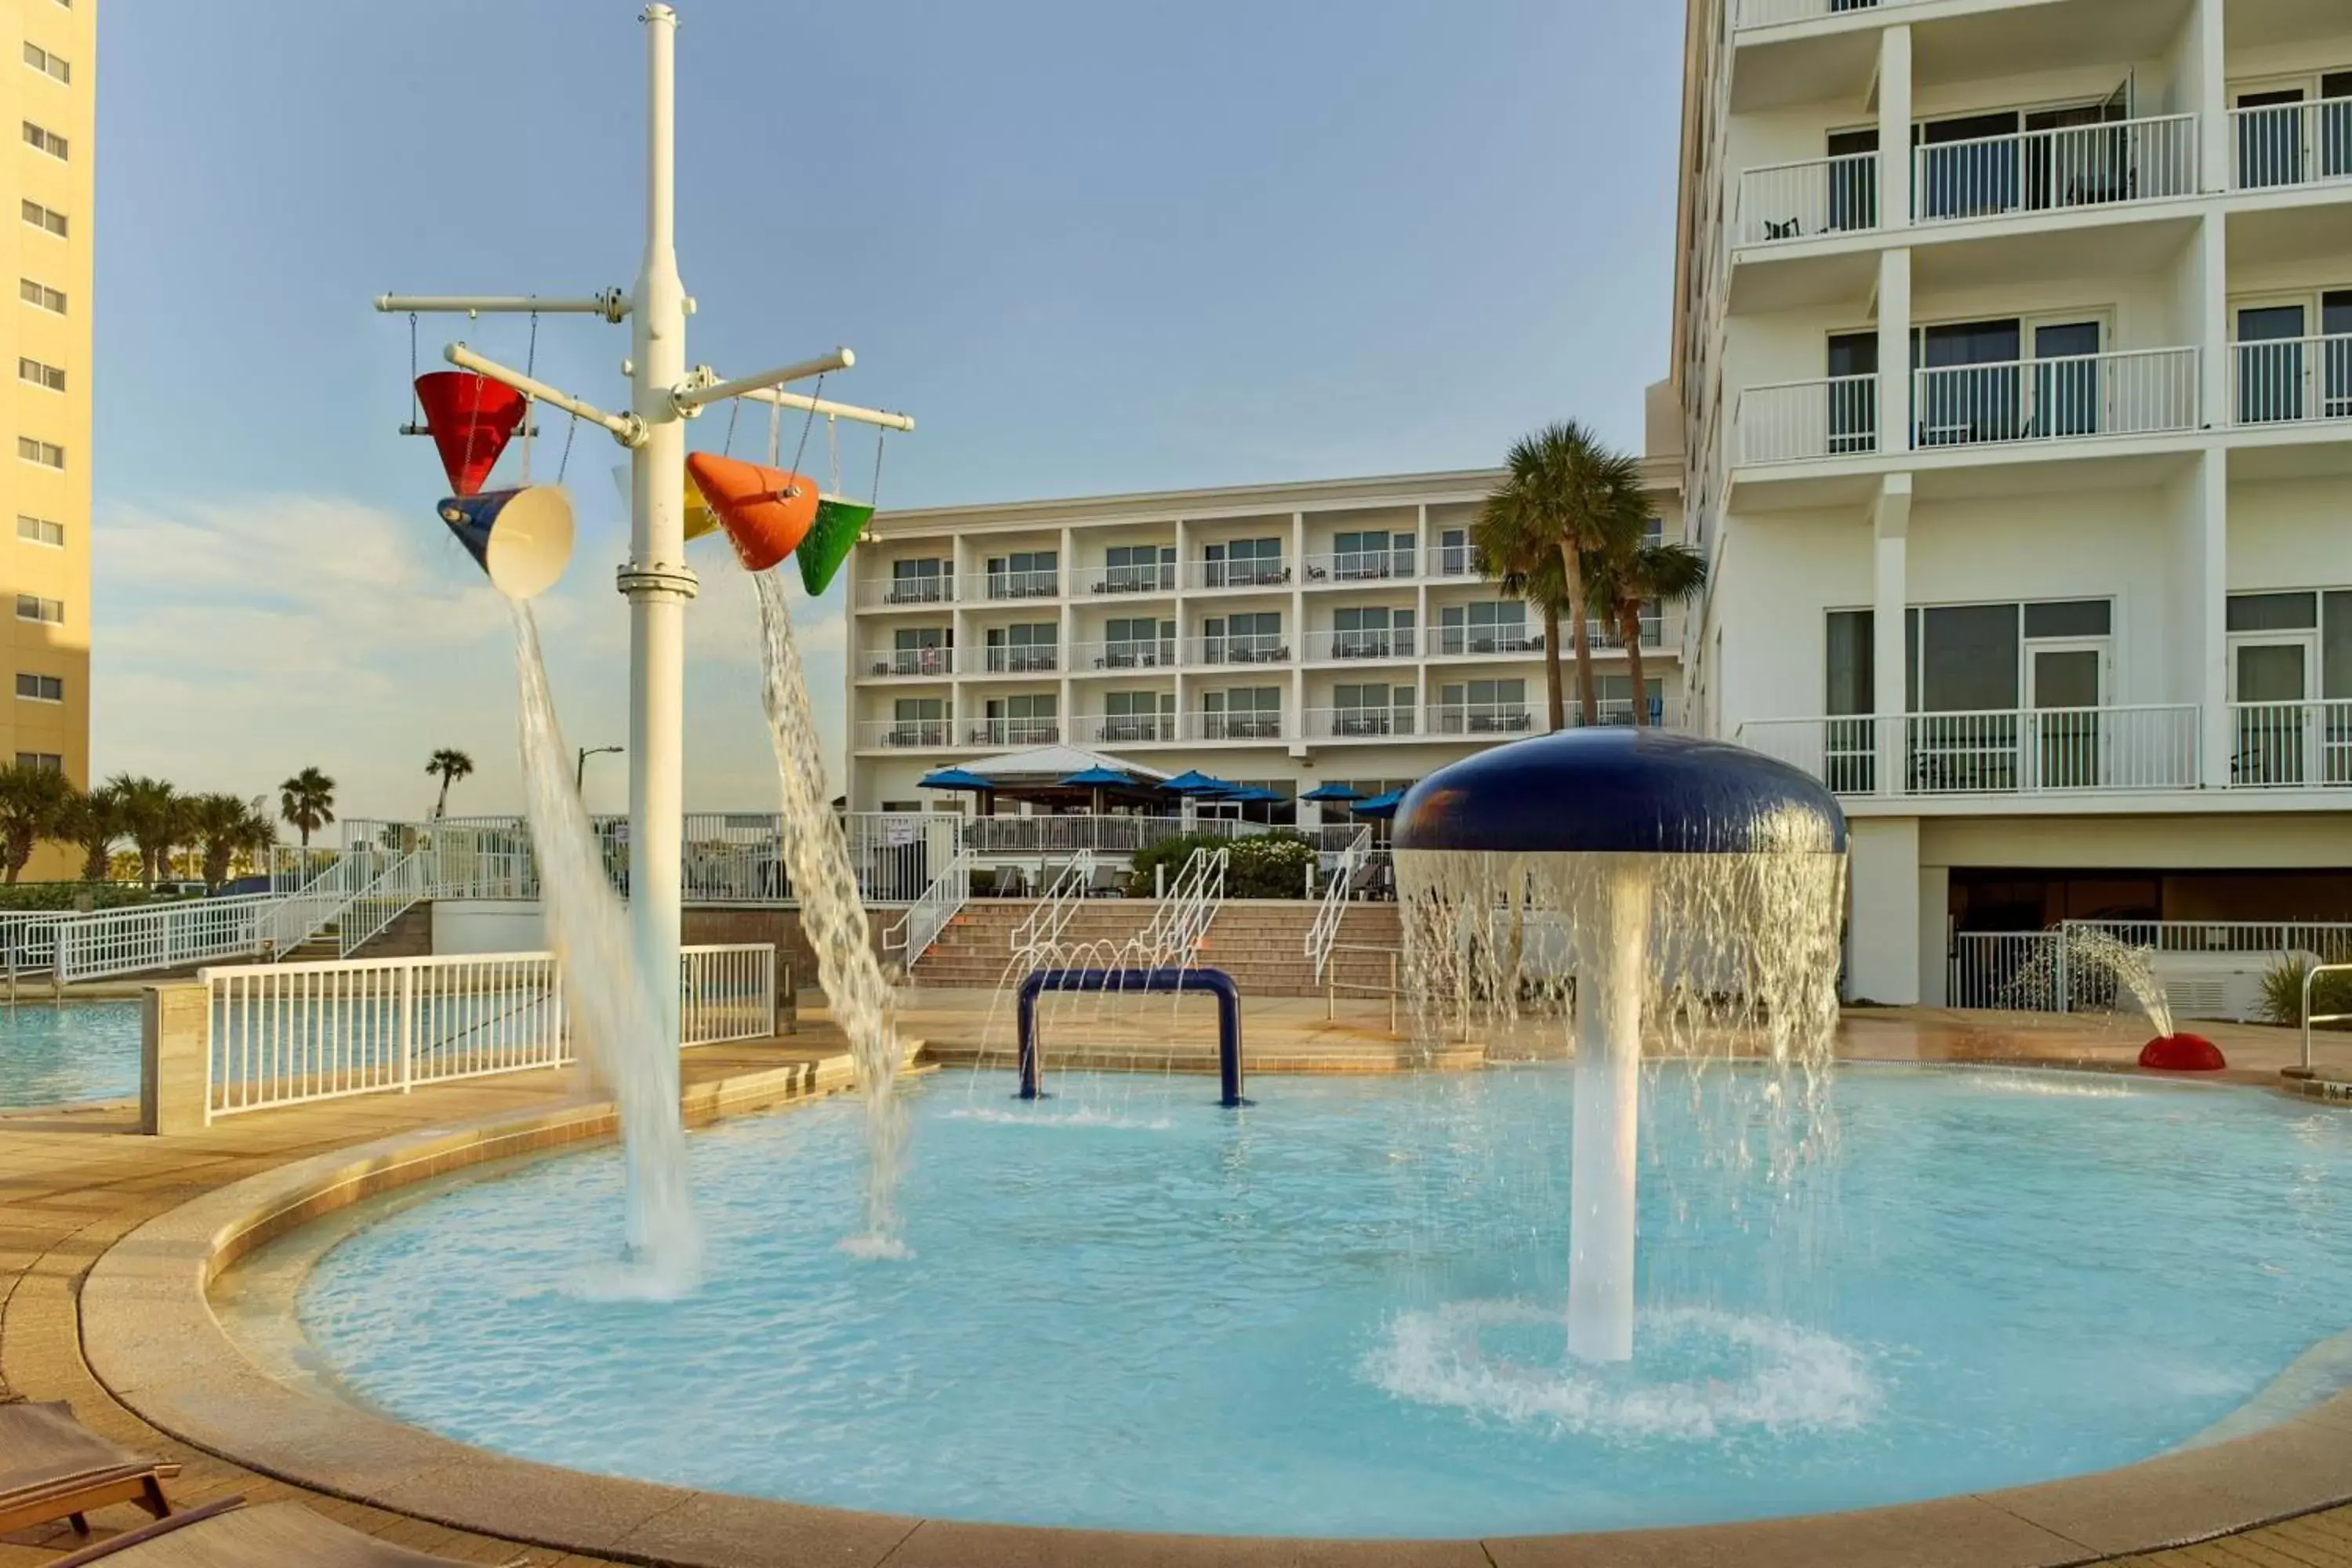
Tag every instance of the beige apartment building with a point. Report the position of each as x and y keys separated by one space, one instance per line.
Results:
x=48 y=175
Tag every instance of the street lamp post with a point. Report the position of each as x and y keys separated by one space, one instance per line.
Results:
x=655 y=580
x=580 y=768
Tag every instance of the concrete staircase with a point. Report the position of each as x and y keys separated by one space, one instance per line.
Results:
x=410 y=935
x=1260 y=943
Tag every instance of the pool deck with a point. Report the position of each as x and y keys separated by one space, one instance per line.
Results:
x=74 y=1183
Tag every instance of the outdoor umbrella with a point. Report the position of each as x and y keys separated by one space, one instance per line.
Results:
x=1195 y=783
x=1334 y=792
x=1098 y=779
x=954 y=778
x=1380 y=805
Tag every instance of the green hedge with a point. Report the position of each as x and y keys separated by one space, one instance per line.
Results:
x=61 y=895
x=1268 y=866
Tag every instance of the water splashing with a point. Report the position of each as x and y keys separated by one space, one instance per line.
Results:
x=618 y=1021
x=816 y=853
x=2088 y=969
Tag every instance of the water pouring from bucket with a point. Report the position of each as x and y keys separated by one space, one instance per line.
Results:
x=766 y=512
x=522 y=539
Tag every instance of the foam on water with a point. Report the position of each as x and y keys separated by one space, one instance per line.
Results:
x=1064 y=1119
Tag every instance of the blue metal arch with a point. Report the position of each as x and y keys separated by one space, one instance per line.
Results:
x=1215 y=982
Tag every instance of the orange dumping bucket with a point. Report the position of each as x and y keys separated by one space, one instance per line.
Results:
x=472 y=420
x=765 y=511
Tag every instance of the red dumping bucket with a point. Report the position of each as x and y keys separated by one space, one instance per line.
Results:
x=472 y=420
x=765 y=511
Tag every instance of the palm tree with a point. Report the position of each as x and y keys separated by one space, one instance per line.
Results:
x=32 y=801
x=451 y=765
x=91 y=822
x=1620 y=584
x=307 y=802
x=259 y=836
x=1565 y=484
x=1526 y=567
x=218 y=825
x=152 y=818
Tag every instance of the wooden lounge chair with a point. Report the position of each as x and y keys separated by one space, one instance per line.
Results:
x=227 y=1534
x=53 y=1467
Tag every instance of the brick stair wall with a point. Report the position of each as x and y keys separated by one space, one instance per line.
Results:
x=1262 y=944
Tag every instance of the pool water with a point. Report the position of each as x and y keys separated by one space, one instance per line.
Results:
x=1338 y=1312
x=57 y=1053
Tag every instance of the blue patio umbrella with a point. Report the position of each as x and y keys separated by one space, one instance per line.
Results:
x=1380 y=805
x=954 y=778
x=1194 y=782
x=1100 y=778
x=1334 y=792
x=1254 y=795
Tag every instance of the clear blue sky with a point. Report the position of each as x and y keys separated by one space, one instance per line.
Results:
x=1091 y=246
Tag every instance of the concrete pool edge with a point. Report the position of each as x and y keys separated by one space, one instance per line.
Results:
x=150 y=1336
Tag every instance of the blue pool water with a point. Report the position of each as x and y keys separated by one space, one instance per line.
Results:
x=55 y=1054
x=1338 y=1312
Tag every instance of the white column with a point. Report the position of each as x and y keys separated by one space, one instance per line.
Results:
x=1883 y=856
x=1895 y=128
x=1066 y=580
x=1895 y=350
x=2207 y=92
x=1890 y=530
x=2210 y=593
x=1611 y=974
x=656 y=581
x=1934 y=945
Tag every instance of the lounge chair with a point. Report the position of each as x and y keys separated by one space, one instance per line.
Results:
x=53 y=1467
x=227 y=1534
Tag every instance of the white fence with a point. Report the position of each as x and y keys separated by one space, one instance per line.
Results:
x=287 y=1033
x=2052 y=972
x=1790 y=422
x=1805 y=200
x=2291 y=144
x=2137 y=393
x=2291 y=745
x=160 y=936
x=1770 y=13
x=2056 y=170
x=2005 y=751
x=2290 y=380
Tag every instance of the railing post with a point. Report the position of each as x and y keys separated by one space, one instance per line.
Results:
x=2065 y=985
x=407 y=1027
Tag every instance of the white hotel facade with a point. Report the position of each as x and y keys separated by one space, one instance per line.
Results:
x=2014 y=343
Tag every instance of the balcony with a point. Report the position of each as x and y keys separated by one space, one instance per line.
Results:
x=903 y=734
x=1133 y=654
x=1044 y=583
x=1773 y=13
x=1360 y=724
x=1363 y=566
x=1453 y=561
x=1804 y=421
x=2282 y=145
x=918 y=662
x=2291 y=745
x=1125 y=728
x=1035 y=658
x=2016 y=752
x=1012 y=732
x=2288 y=381
x=1151 y=578
x=1806 y=200
x=1465 y=641
x=1501 y=719
x=888 y=593
x=1247 y=648
x=1360 y=645
x=1214 y=574
x=1254 y=726
x=2064 y=169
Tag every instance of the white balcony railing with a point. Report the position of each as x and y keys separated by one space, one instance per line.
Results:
x=2058 y=169
x=1795 y=421
x=1012 y=731
x=1360 y=723
x=1502 y=719
x=2283 y=144
x=1251 y=726
x=1475 y=642
x=1772 y=12
x=888 y=593
x=2004 y=752
x=2291 y=380
x=1806 y=200
x=1364 y=565
x=1353 y=645
x=1245 y=647
x=1253 y=574
x=1133 y=653
x=1150 y=577
x=904 y=734
x=1454 y=561
x=2291 y=745
x=2137 y=393
x=1022 y=658
x=1125 y=728
x=929 y=662
x=1044 y=583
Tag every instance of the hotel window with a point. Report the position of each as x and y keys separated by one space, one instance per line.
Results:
x=44 y=140
x=41 y=296
x=918 y=650
x=32 y=608
x=2283 y=371
x=41 y=761
x=1021 y=648
x=1358 y=556
x=1372 y=632
x=46 y=218
x=1457 y=556
x=1139 y=716
x=1254 y=638
x=1024 y=574
x=1139 y=569
x=41 y=452
x=33 y=373
x=1243 y=713
x=41 y=531
x=1027 y=720
x=47 y=64
x=1241 y=562
x=1851 y=753
x=1483 y=707
x=917 y=583
x=1138 y=642
x=1372 y=710
x=1491 y=625
x=40 y=687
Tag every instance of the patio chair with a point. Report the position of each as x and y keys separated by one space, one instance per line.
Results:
x=53 y=1467
x=227 y=1534
x=1107 y=882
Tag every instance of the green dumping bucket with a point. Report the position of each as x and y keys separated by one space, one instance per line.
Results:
x=840 y=522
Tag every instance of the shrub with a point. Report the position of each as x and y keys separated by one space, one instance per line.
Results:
x=61 y=895
x=1268 y=866
x=2282 y=994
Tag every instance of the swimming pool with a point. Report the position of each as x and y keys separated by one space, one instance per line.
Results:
x=57 y=1053
x=1339 y=1313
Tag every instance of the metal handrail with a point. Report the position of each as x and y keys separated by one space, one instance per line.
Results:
x=2310 y=974
x=1191 y=908
x=1333 y=984
x=1334 y=907
x=1046 y=922
x=928 y=915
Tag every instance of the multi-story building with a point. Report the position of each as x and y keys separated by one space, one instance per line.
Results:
x=1286 y=635
x=2014 y=342
x=50 y=93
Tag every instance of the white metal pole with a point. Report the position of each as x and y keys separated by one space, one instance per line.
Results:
x=655 y=580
